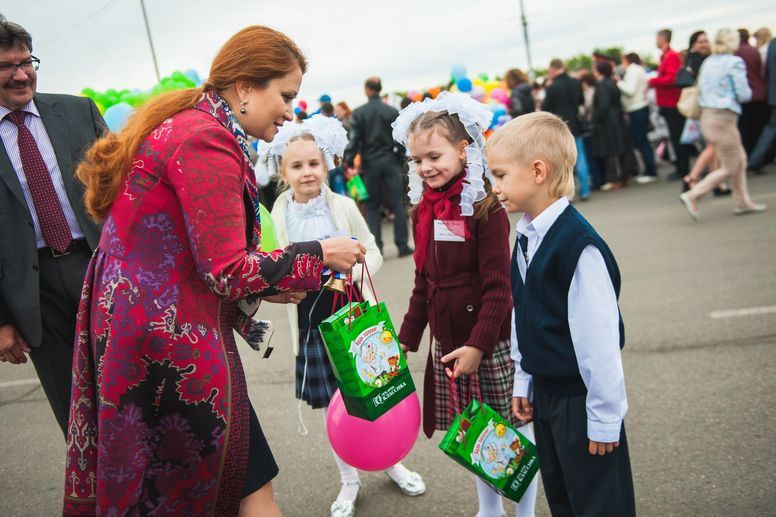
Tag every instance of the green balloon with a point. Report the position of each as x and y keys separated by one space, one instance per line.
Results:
x=269 y=236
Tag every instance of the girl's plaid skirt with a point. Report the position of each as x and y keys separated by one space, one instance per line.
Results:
x=319 y=382
x=496 y=377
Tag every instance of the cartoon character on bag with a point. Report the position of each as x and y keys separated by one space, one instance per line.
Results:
x=372 y=368
x=496 y=455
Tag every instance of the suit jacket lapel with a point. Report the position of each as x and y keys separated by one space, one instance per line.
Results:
x=8 y=175
x=56 y=125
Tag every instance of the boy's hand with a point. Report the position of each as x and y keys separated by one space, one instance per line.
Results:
x=467 y=360
x=601 y=448
x=404 y=348
x=522 y=409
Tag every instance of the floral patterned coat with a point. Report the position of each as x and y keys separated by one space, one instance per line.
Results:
x=160 y=412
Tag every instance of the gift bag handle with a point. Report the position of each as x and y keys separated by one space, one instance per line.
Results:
x=364 y=269
x=351 y=292
x=455 y=408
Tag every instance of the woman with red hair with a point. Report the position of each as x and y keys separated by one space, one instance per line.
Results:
x=160 y=421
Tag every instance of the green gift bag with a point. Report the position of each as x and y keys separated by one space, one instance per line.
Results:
x=366 y=358
x=485 y=443
x=357 y=189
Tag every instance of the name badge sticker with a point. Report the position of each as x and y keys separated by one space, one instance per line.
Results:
x=449 y=231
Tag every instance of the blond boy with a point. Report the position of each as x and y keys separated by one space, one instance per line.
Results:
x=568 y=331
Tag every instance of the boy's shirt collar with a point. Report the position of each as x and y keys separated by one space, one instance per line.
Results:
x=544 y=221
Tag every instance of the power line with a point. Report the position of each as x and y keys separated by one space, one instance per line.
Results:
x=56 y=40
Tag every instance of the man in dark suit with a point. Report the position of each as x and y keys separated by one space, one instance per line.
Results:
x=768 y=135
x=46 y=238
x=372 y=136
x=563 y=98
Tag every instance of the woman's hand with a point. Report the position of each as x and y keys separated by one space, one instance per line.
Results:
x=467 y=360
x=342 y=254
x=294 y=297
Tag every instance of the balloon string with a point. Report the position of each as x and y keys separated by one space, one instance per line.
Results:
x=301 y=428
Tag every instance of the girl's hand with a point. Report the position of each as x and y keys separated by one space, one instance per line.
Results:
x=342 y=254
x=403 y=348
x=467 y=360
x=522 y=409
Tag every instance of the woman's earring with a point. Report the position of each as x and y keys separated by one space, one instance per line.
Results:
x=242 y=107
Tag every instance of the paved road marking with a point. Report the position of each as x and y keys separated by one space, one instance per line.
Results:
x=20 y=382
x=750 y=311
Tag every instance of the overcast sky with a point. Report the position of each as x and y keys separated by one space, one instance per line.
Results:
x=409 y=43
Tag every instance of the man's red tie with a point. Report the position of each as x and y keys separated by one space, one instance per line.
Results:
x=51 y=217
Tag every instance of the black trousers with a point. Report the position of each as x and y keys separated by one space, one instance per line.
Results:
x=754 y=117
x=61 y=280
x=764 y=149
x=675 y=121
x=577 y=483
x=385 y=173
x=619 y=168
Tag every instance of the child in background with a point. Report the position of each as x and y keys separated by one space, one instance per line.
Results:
x=568 y=327
x=461 y=268
x=303 y=155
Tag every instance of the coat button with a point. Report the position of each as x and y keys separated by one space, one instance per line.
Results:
x=30 y=224
x=34 y=267
x=469 y=308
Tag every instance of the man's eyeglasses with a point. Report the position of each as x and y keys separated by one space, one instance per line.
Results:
x=29 y=66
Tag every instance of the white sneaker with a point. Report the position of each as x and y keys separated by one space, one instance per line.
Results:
x=756 y=209
x=345 y=507
x=685 y=200
x=643 y=180
x=412 y=485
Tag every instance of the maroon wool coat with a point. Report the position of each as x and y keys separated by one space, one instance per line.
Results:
x=754 y=76
x=463 y=293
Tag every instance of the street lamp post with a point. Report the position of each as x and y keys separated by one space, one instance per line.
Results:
x=527 y=42
x=151 y=41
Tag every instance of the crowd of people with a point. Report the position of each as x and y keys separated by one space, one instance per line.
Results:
x=625 y=117
x=133 y=268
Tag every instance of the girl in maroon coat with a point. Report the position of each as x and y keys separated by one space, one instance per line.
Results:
x=462 y=255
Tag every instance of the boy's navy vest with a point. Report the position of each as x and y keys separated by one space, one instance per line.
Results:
x=541 y=303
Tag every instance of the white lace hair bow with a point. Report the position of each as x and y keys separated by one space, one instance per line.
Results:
x=476 y=118
x=330 y=137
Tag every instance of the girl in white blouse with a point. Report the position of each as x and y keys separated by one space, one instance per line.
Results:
x=308 y=209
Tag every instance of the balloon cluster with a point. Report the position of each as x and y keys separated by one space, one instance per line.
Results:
x=482 y=88
x=117 y=105
x=300 y=107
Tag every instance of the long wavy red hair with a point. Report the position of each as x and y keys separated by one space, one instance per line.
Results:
x=256 y=54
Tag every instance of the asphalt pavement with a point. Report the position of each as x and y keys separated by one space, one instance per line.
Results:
x=699 y=305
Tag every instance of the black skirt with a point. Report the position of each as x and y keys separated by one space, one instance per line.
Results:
x=262 y=467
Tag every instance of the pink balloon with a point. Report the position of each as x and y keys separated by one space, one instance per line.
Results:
x=499 y=95
x=374 y=445
x=303 y=105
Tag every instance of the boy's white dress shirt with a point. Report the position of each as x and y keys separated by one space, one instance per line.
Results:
x=594 y=323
